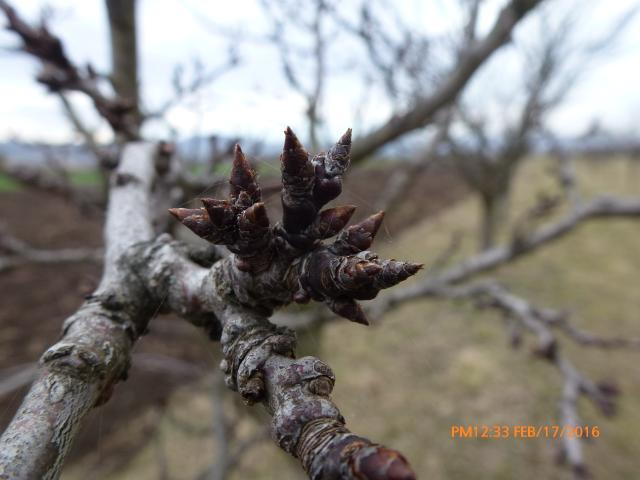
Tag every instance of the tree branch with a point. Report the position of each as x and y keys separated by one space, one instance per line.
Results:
x=269 y=268
x=18 y=253
x=80 y=370
x=576 y=384
x=60 y=74
x=424 y=110
x=599 y=207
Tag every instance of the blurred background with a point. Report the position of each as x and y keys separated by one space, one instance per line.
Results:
x=470 y=133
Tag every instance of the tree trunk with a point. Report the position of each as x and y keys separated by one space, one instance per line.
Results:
x=124 y=51
x=494 y=209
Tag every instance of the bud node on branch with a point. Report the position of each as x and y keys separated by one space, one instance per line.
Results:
x=291 y=259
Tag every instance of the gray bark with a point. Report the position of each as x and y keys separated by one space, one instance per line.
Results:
x=124 y=52
x=494 y=210
x=80 y=370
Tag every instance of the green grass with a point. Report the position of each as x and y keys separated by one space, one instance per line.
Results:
x=85 y=178
x=434 y=363
x=80 y=178
x=7 y=184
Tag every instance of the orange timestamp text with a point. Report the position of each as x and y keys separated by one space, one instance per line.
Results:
x=524 y=431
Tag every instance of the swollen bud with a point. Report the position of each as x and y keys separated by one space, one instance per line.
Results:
x=256 y=215
x=339 y=156
x=243 y=177
x=381 y=464
x=221 y=212
x=197 y=221
x=349 y=309
x=294 y=158
x=359 y=237
x=298 y=208
x=394 y=272
x=331 y=221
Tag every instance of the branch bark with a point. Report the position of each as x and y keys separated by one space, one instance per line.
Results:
x=80 y=370
x=124 y=54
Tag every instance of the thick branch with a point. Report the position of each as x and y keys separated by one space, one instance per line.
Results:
x=425 y=109
x=81 y=369
x=259 y=364
x=124 y=53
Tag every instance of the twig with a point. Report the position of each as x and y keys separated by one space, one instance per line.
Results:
x=18 y=254
x=59 y=74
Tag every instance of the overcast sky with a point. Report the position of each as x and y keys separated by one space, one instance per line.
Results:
x=254 y=99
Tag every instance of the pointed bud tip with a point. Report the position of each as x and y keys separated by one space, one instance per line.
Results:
x=361 y=320
x=372 y=223
x=209 y=202
x=181 y=213
x=342 y=213
x=414 y=268
x=385 y=463
x=217 y=210
x=257 y=213
x=347 y=209
x=357 y=315
x=239 y=159
x=349 y=309
x=377 y=217
x=345 y=139
x=291 y=139
x=242 y=176
x=294 y=158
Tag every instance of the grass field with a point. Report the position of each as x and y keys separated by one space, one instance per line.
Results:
x=432 y=364
x=81 y=178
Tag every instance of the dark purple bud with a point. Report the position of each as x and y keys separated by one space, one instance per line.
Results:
x=331 y=221
x=349 y=309
x=221 y=212
x=196 y=220
x=394 y=272
x=295 y=159
x=380 y=463
x=339 y=156
x=243 y=177
x=359 y=237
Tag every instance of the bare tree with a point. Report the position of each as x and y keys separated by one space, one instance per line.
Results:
x=391 y=58
x=423 y=108
x=232 y=297
x=551 y=70
x=285 y=16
